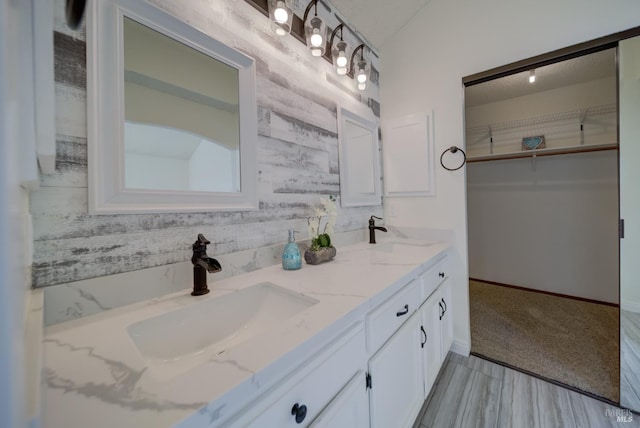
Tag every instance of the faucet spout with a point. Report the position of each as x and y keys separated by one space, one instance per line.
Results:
x=202 y=264
x=209 y=263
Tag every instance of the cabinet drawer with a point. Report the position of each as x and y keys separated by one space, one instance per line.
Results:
x=383 y=321
x=314 y=385
x=433 y=277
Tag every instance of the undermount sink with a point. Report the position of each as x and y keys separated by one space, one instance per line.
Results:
x=180 y=339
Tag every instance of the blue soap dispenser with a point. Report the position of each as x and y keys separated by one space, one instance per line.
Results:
x=291 y=258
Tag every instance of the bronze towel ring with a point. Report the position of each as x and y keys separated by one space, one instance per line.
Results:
x=453 y=149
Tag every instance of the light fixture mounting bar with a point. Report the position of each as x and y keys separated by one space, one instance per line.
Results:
x=353 y=55
x=308 y=9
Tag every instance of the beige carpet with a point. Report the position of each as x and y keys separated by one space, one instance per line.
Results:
x=567 y=340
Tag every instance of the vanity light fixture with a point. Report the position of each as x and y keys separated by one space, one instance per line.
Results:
x=281 y=17
x=315 y=30
x=360 y=69
x=532 y=76
x=339 y=52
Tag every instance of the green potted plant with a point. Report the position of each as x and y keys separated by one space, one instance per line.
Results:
x=321 y=249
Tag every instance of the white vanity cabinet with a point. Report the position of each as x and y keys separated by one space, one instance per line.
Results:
x=396 y=393
x=436 y=327
x=376 y=374
x=403 y=370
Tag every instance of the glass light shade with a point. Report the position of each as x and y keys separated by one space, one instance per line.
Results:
x=362 y=86
x=532 y=76
x=281 y=17
x=340 y=59
x=315 y=32
x=362 y=71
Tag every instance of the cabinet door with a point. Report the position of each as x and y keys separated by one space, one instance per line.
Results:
x=396 y=393
x=349 y=409
x=431 y=342
x=447 y=318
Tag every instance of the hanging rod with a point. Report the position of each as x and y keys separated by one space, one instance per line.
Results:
x=544 y=152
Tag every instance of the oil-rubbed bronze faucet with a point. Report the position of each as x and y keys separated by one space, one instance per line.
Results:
x=373 y=228
x=201 y=265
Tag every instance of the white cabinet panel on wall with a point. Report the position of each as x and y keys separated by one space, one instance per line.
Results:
x=396 y=393
x=408 y=152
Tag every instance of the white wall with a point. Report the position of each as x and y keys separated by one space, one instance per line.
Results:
x=422 y=68
x=17 y=166
x=553 y=228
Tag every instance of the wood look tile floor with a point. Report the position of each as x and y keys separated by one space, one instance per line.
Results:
x=473 y=392
x=630 y=359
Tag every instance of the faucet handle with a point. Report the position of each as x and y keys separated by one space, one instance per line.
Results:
x=372 y=217
x=201 y=242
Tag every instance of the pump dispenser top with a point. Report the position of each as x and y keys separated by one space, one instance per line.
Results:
x=291 y=257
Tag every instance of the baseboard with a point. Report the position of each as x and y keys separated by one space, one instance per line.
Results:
x=461 y=348
x=550 y=293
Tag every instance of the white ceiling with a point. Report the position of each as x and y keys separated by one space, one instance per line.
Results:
x=377 y=20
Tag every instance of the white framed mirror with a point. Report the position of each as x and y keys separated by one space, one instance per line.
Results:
x=359 y=160
x=172 y=124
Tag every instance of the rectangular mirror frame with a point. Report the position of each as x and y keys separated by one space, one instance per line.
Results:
x=357 y=199
x=105 y=114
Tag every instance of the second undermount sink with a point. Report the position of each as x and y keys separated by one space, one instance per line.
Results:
x=213 y=325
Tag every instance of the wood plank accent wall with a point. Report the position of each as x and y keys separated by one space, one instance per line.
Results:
x=298 y=161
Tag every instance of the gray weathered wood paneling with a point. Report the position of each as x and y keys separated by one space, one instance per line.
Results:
x=298 y=97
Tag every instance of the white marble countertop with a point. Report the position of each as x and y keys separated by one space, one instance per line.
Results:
x=95 y=376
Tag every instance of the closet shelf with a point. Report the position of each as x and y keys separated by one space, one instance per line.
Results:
x=580 y=114
x=544 y=152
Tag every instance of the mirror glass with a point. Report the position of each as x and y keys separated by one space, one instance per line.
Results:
x=172 y=115
x=181 y=131
x=359 y=160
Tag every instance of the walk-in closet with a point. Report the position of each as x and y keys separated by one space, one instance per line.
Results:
x=543 y=230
